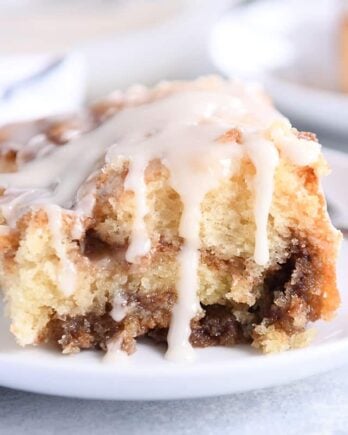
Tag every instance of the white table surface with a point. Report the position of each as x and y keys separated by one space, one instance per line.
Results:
x=318 y=405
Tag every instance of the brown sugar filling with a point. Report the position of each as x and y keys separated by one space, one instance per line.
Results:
x=285 y=302
x=82 y=332
x=286 y=297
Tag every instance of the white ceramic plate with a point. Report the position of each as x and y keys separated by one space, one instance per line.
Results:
x=292 y=46
x=147 y=375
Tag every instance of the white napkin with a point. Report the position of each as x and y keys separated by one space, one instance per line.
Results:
x=34 y=86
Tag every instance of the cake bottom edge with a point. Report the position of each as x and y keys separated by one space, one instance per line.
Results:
x=298 y=290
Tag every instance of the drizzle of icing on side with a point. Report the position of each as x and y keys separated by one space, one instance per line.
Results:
x=119 y=307
x=202 y=174
x=179 y=346
x=114 y=353
x=264 y=157
x=140 y=243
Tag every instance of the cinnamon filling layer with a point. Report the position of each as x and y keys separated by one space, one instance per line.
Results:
x=286 y=297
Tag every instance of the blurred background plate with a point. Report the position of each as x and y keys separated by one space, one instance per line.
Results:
x=293 y=47
x=37 y=85
x=122 y=41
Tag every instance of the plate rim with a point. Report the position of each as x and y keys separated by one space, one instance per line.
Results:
x=166 y=384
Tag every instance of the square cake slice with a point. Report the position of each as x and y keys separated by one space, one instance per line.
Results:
x=191 y=212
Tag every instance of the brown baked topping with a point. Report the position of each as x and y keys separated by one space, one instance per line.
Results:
x=82 y=332
x=62 y=131
x=232 y=135
x=102 y=110
x=307 y=135
x=218 y=327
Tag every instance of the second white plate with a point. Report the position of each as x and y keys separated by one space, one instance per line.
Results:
x=291 y=46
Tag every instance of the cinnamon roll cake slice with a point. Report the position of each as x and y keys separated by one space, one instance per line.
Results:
x=191 y=212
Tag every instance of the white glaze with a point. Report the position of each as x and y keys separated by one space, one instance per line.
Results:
x=37 y=147
x=140 y=243
x=114 y=353
x=264 y=156
x=119 y=307
x=301 y=152
x=15 y=202
x=182 y=130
